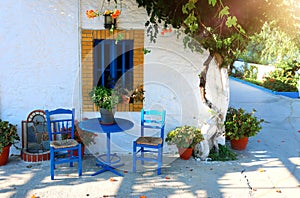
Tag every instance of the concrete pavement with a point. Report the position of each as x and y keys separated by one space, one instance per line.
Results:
x=269 y=167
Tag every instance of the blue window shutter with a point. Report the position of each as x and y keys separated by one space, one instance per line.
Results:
x=113 y=63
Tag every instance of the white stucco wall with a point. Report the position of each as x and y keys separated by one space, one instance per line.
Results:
x=39 y=59
x=40 y=64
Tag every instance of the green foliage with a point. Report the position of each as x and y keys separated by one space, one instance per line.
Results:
x=224 y=12
x=246 y=72
x=253 y=81
x=104 y=97
x=239 y=123
x=207 y=23
x=146 y=51
x=251 y=72
x=212 y=2
x=271 y=46
x=280 y=80
x=231 y=21
x=283 y=79
x=224 y=26
x=185 y=136
x=224 y=154
x=8 y=134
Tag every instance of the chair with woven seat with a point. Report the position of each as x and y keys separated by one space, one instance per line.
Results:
x=154 y=121
x=61 y=129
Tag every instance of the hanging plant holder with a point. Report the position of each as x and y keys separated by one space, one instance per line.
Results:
x=109 y=22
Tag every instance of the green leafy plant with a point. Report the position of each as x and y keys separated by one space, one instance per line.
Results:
x=271 y=46
x=281 y=80
x=8 y=134
x=131 y=96
x=224 y=154
x=278 y=80
x=185 y=136
x=104 y=97
x=239 y=123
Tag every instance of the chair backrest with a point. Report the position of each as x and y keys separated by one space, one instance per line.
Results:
x=60 y=123
x=153 y=119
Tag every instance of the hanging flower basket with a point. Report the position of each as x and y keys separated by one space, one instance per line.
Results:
x=110 y=17
x=109 y=22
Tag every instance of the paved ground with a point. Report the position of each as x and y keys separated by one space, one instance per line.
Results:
x=270 y=167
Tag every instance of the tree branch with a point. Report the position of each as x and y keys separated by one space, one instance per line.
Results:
x=202 y=77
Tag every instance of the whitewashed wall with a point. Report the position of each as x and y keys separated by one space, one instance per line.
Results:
x=39 y=59
x=40 y=64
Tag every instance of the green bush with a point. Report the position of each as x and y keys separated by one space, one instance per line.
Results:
x=185 y=136
x=239 y=123
x=225 y=154
x=280 y=80
x=8 y=134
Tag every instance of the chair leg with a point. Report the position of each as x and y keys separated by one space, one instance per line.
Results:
x=134 y=157
x=142 y=155
x=52 y=163
x=71 y=155
x=159 y=162
x=79 y=160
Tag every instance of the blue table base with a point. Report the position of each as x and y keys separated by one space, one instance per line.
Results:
x=109 y=167
x=108 y=161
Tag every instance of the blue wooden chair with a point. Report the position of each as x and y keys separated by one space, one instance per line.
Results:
x=61 y=129
x=152 y=120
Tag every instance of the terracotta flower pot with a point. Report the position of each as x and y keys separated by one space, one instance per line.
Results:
x=239 y=144
x=4 y=155
x=185 y=153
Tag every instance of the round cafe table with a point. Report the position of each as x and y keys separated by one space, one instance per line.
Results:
x=108 y=161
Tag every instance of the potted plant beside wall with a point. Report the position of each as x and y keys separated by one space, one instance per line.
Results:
x=185 y=138
x=240 y=125
x=8 y=137
x=106 y=100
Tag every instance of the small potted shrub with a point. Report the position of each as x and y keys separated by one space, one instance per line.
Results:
x=106 y=99
x=8 y=137
x=185 y=138
x=239 y=125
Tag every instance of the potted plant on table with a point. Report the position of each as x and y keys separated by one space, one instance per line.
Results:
x=8 y=137
x=106 y=99
x=185 y=138
x=240 y=125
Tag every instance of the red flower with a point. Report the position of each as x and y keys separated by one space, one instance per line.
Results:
x=272 y=80
x=91 y=13
x=116 y=13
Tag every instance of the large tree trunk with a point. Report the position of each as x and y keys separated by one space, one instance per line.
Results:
x=213 y=129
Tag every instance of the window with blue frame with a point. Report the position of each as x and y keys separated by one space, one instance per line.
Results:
x=113 y=63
